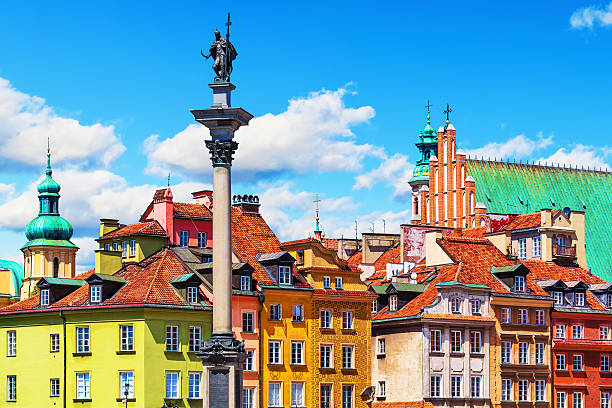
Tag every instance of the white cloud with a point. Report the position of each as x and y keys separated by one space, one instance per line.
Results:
x=26 y=122
x=313 y=134
x=395 y=171
x=518 y=147
x=581 y=156
x=85 y=256
x=590 y=16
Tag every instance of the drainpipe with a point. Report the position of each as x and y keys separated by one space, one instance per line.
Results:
x=262 y=299
x=63 y=317
x=551 y=364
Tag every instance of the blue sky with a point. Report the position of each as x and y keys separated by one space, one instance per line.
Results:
x=338 y=90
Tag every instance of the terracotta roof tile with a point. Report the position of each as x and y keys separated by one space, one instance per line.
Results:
x=376 y=278
x=523 y=221
x=474 y=232
x=355 y=258
x=346 y=293
x=331 y=244
x=457 y=317
x=414 y=404
x=391 y=255
x=189 y=210
x=141 y=228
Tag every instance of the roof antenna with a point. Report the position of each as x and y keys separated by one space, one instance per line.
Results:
x=372 y=228
x=384 y=226
x=168 y=179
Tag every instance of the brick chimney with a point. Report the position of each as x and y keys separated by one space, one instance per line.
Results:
x=163 y=210
x=247 y=203
x=204 y=197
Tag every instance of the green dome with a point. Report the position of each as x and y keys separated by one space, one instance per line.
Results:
x=49 y=227
x=48 y=186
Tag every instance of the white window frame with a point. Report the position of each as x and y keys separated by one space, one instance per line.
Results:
x=44 y=297
x=275 y=394
x=577 y=362
x=126 y=337
x=249 y=361
x=195 y=385
x=275 y=312
x=11 y=388
x=560 y=362
x=523 y=353
x=435 y=341
x=579 y=299
x=284 y=275
x=476 y=305
x=456 y=386
x=435 y=386
x=11 y=343
x=82 y=339
x=523 y=390
x=475 y=342
x=506 y=351
x=540 y=317
x=453 y=341
x=537 y=247
x=506 y=315
x=326 y=282
x=347 y=320
x=577 y=331
x=325 y=319
x=172 y=338
x=381 y=347
x=126 y=377
x=523 y=316
x=560 y=331
x=192 y=294
x=540 y=390
x=520 y=283
x=275 y=352
x=559 y=298
x=393 y=303
x=54 y=339
x=522 y=248
x=540 y=354
x=382 y=389
x=245 y=283
x=507 y=390
x=348 y=396
x=248 y=322
x=124 y=249
x=561 y=399
x=348 y=357
x=604 y=333
x=338 y=283
x=605 y=400
x=83 y=385
x=297 y=394
x=604 y=363
x=375 y=306
x=326 y=397
x=455 y=305
x=95 y=294
x=54 y=387
x=132 y=248
x=195 y=339
x=173 y=384
x=326 y=356
x=297 y=314
x=248 y=397
x=476 y=386
x=578 y=400
x=297 y=352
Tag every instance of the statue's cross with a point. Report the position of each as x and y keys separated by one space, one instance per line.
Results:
x=428 y=106
x=228 y=24
x=447 y=112
x=317 y=201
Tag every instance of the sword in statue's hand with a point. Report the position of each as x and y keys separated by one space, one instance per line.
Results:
x=205 y=56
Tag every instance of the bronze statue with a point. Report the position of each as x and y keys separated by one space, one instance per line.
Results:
x=224 y=53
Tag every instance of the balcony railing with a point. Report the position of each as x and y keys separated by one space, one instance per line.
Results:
x=564 y=251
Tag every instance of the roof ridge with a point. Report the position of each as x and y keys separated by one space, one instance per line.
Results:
x=161 y=261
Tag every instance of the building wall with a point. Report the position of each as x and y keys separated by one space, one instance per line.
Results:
x=193 y=226
x=249 y=304
x=38 y=263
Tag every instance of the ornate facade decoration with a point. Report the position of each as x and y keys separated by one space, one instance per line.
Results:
x=221 y=151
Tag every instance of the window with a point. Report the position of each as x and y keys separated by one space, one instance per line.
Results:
x=11 y=392
x=82 y=334
x=247 y=322
x=132 y=248
x=95 y=294
x=284 y=275
x=539 y=354
x=476 y=386
x=249 y=361
x=107 y=247
x=326 y=356
x=605 y=363
x=127 y=337
x=347 y=319
x=202 y=241
x=172 y=333
x=578 y=299
x=540 y=317
x=537 y=247
x=558 y=296
x=326 y=282
x=523 y=390
x=519 y=283
x=11 y=343
x=560 y=241
x=506 y=390
x=247 y=398
x=300 y=256
x=523 y=353
x=506 y=315
x=435 y=342
x=393 y=303
x=44 y=297
x=560 y=331
x=576 y=331
x=195 y=381
x=184 y=238
x=382 y=389
x=347 y=357
x=560 y=362
x=456 y=386
x=455 y=305
x=297 y=394
x=540 y=390
x=338 y=283
x=435 y=386
x=298 y=313
x=577 y=362
x=604 y=333
x=55 y=387
x=274 y=352
x=347 y=395
x=82 y=385
x=605 y=400
x=326 y=319
x=124 y=249
x=275 y=397
x=326 y=396
x=297 y=352
x=192 y=294
x=375 y=306
x=172 y=384
x=245 y=283
x=523 y=316
x=560 y=399
x=195 y=338
x=609 y=301
x=126 y=382
x=456 y=341
x=577 y=400
x=55 y=344
x=475 y=342
x=506 y=352
x=275 y=312
x=381 y=347
x=522 y=246
x=476 y=307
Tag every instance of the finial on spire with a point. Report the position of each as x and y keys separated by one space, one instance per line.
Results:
x=48 y=156
x=428 y=106
x=317 y=231
x=168 y=179
x=447 y=113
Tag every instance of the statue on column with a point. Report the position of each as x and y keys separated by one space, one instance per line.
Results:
x=223 y=53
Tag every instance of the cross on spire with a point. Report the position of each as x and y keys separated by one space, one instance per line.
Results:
x=428 y=106
x=168 y=179
x=447 y=113
x=317 y=201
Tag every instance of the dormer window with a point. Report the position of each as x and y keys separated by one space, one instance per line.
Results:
x=300 y=257
x=393 y=303
x=326 y=282
x=609 y=302
x=519 y=283
x=456 y=305
x=284 y=275
x=558 y=296
x=44 y=297
x=375 y=306
x=476 y=307
x=245 y=283
x=579 y=299
x=192 y=294
x=338 y=283
x=95 y=294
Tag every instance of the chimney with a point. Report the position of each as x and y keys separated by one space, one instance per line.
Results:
x=204 y=197
x=108 y=225
x=546 y=217
x=246 y=203
x=163 y=210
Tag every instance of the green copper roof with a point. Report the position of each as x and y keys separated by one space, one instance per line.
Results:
x=428 y=146
x=16 y=271
x=512 y=188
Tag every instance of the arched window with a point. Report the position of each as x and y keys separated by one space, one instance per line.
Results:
x=55 y=268
x=445 y=155
x=454 y=186
x=453 y=150
x=472 y=209
x=416 y=205
x=462 y=175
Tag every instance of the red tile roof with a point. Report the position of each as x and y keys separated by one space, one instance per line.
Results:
x=377 y=278
x=331 y=244
x=524 y=221
x=457 y=317
x=141 y=228
x=414 y=404
x=474 y=232
x=355 y=258
x=346 y=293
x=391 y=255
x=189 y=210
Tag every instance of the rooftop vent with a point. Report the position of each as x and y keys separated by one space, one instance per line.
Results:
x=248 y=203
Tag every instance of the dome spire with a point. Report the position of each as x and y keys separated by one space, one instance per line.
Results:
x=48 y=172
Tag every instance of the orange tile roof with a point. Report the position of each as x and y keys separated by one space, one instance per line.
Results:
x=474 y=232
x=331 y=244
x=376 y=278
x=457 y=317
x=346 y=293
x=391 y=255
x=191 y=210
x=523 y=221
x=141 y=228
x=355 y=258
x=414 y=404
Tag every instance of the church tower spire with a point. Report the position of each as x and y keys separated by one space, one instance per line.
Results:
x=49 y=251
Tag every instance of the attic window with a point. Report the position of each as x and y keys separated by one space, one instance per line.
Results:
x=245 y=283
x=609 y=300
x=393 y=303
x=519 y=283
x=192 y=294
x=95 y=294
x=300 y=257
x=284 y=275
x=44 y=297
x=579 y=299
x=558 y=296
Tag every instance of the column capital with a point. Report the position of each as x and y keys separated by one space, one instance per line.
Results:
x=221 y=151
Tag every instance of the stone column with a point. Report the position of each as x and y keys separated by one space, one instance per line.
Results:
x=222 y=355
